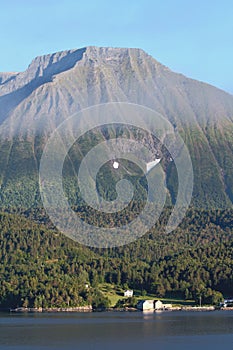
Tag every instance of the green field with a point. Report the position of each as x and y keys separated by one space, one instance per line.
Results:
x=115 y=293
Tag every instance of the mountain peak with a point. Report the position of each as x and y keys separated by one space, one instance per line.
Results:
x=55 y=62
x=44 y=68
x=61 y=61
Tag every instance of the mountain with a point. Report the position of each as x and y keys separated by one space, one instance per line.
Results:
x=33 y=103
x=41 y=267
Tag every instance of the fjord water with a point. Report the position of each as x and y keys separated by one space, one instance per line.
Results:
x=117 y=330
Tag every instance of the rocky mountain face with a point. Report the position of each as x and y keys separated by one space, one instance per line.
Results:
x=33 y=103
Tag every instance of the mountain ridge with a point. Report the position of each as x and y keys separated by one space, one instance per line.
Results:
x=33 y=103
x=108 y=74
x=40 y=63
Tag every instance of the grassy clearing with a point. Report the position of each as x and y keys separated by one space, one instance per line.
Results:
x=115 y=293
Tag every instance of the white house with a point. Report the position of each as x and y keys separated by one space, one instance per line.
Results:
x=128 y=293
x=150 y=305
x=158 y=305
x=145 y=305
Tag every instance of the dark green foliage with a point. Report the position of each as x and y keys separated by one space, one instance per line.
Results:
x=40 y=267
x=129 y=302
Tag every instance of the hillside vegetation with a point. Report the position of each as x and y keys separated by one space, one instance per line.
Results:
x=40 y=267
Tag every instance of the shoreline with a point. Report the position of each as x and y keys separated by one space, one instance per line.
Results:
x=126 y=309
x=87 y=308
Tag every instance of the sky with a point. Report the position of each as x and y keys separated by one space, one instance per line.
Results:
x=193 y=37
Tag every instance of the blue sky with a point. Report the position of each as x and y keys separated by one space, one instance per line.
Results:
x=191 y=37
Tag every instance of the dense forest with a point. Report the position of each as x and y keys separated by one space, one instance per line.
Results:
x=40 y=267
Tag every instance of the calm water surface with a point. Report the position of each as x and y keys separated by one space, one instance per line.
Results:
x=116 y=330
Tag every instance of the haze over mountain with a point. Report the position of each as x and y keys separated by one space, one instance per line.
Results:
x=33 y=103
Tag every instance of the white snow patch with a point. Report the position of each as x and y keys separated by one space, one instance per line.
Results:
x=115 y=165
x=152 y=164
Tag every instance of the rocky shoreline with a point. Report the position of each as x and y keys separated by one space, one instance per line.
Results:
x=89 y=308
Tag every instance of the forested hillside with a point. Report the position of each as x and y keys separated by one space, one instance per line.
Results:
x=40 y=267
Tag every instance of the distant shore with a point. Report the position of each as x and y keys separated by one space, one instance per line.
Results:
x=126 y=309
x=87 y=308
